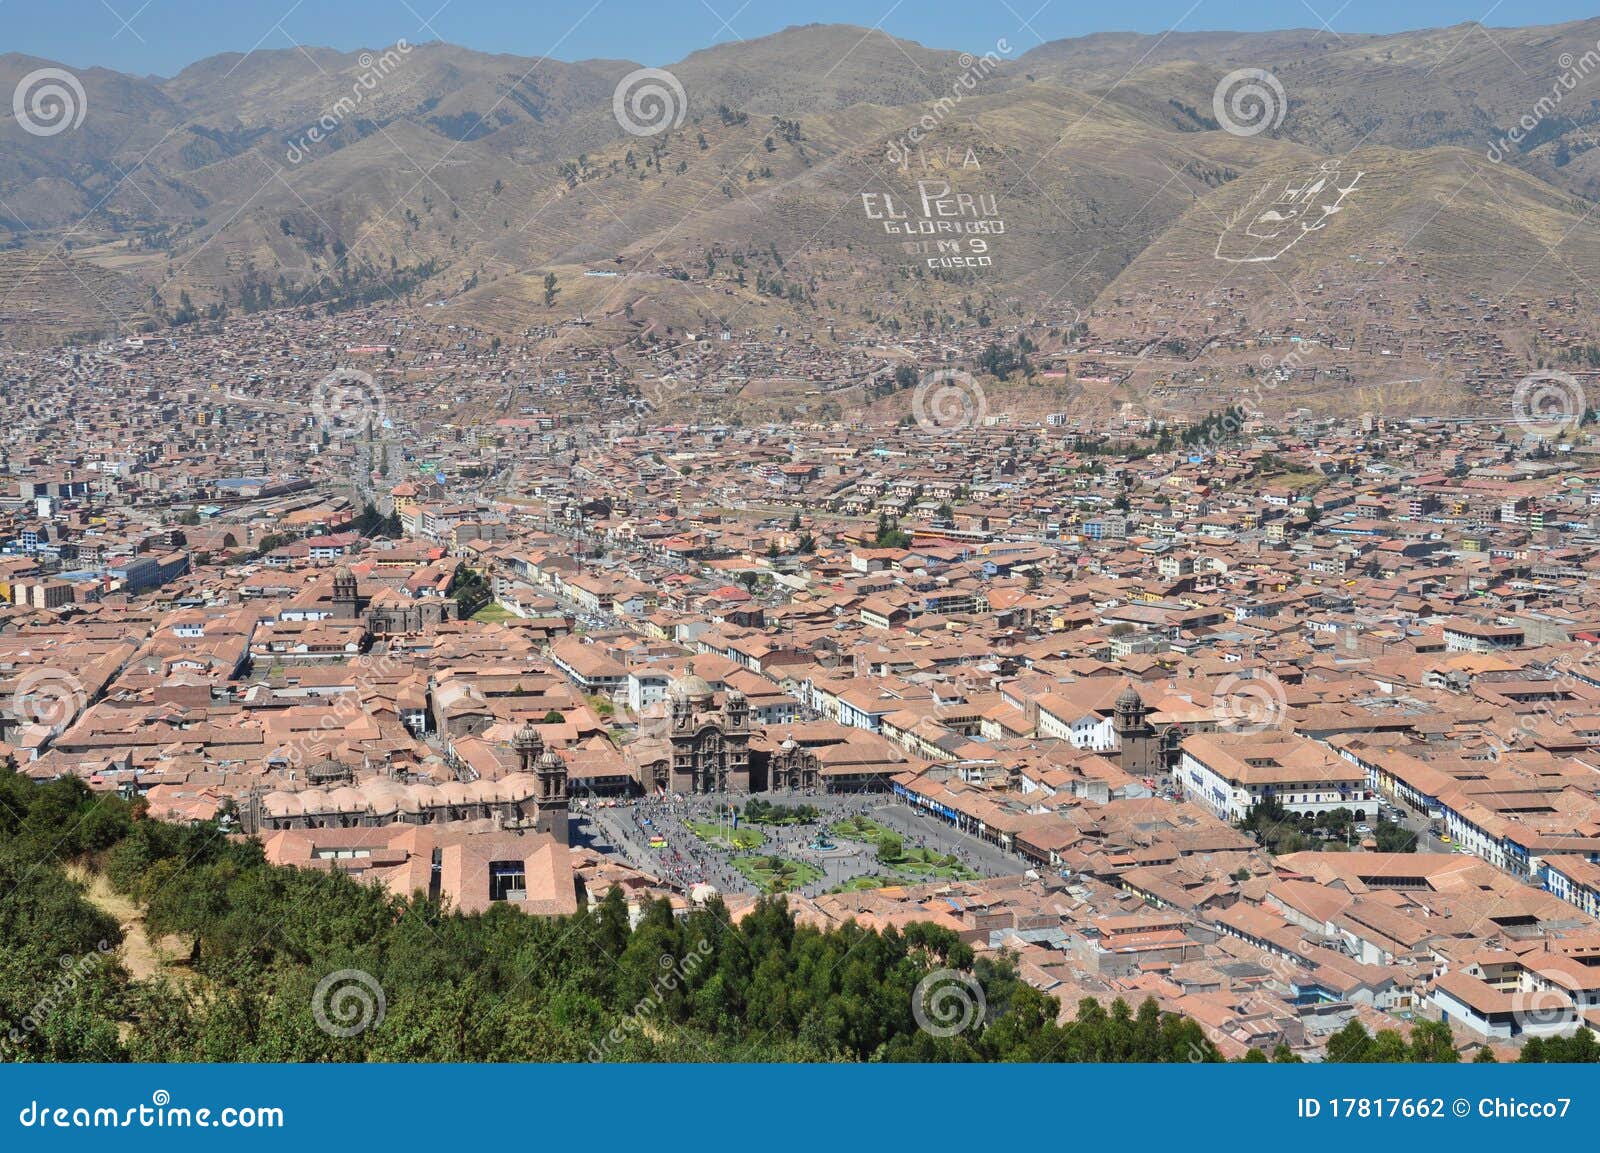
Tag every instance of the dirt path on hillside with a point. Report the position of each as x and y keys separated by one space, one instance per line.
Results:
x=142 y=957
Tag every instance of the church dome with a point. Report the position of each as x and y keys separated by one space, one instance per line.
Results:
x=692 y=687
x=1129 y=700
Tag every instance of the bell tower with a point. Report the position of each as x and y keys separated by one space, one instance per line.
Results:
x=346 y=595
x=527 y=744
x=553 y=802
x=1136 y=740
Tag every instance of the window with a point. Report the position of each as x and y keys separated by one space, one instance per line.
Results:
x=508 y=881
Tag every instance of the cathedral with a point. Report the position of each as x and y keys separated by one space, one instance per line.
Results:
x=700 y=748
x=1149 y=748
x=387 y=612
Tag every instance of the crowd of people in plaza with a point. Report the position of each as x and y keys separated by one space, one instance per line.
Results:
x=657 y=833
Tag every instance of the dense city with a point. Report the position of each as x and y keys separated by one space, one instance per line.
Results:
x=1287 y=723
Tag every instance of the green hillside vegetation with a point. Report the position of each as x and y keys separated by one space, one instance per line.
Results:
x=499 y=986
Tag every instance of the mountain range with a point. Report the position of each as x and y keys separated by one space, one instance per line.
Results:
x=1388 y=181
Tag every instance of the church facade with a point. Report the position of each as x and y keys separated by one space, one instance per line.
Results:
x=698 y=746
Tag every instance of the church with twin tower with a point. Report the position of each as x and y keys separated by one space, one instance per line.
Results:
x=546 y=766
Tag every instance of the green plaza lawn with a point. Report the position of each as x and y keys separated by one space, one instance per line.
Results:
x=776 y=874
x=858 y=829
x=860 y=884
x=725 y=836
x=927 y=865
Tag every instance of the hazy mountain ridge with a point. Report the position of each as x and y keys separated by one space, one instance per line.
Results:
x=288 y=176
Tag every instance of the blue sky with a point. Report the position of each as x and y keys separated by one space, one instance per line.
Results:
x=162 y=36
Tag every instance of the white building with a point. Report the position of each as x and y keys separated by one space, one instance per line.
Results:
x=1229 y=773
x=1062 y=720
x=648 y=686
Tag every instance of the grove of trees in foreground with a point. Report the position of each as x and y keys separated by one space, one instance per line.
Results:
x=499 y=986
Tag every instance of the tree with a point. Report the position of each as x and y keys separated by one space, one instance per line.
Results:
x=1578 y=1048
x=1388 y=1048
x=551 y=289
x=890 y=848
x=1350 y=1044
x=1278 y=830
x=889 y=535
x=1393 y=837
x=1432 y=1044
x=471 y=592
